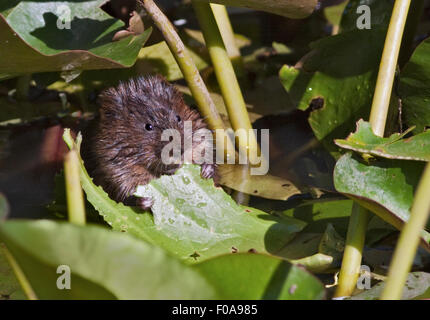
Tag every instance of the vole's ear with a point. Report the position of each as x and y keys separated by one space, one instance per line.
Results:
x=110 y=102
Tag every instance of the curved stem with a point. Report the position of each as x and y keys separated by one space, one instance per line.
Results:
x=381 y=101
x=191 y=74
x=387 y=69
x=74 y=193
x=226 y=29
x=231 y=92
x=409 y=240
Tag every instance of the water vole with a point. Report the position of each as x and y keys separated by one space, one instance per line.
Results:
x=123 y=149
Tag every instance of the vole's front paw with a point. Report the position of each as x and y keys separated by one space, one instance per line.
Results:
x=144 y=203
x=208 y=171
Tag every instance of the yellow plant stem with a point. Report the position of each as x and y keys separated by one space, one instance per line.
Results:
x=74 y=193
x=191 y=74
x=387 y=69
x=409 y=240
x=22 y=279
x=230 y=89
x=381 y=101
x=352 y=255
x=226 y=30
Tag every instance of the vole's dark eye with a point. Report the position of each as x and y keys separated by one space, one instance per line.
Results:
x=178 y=118
x=149 y=127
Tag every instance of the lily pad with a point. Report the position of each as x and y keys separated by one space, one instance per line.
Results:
x=336 y=80
x=32 y=42
x=103 y=264
x=191 y=211
x=273 y=278
x=321 y=213
x=385 y=187
x=393 y=147
x=192 y=219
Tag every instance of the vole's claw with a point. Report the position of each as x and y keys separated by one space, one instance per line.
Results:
x=208 y=171
x=144 y=203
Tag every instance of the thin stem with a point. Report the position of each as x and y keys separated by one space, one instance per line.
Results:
x=226 y=30
x=232 y=94
x=408 y=242
x=191 y=74
x=74 y=193
x=387 y=69
x=352 y=255
x=378 y=117
x=22 y=279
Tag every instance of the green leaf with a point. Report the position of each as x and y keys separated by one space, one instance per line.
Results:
x=103 y=264
x=317 y=215
x=271 y=278
x=414 y=89
x=191 y=211
x=192 y=219
x=32 y=42
x=393 y=147
x=339 y=74
x=296 y=9
x=385 y=187
x=416 y=285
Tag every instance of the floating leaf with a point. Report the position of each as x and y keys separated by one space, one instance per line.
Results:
x=320 y=213
x=103 y=264
x=272 y=278
x=37 y=44
x=385 y=187
x=192 y=219
x=108 y=265
x=393 y=147
x=189 y=210
x=337 y=90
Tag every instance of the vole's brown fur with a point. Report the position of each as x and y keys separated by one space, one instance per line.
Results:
x=121 y=153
